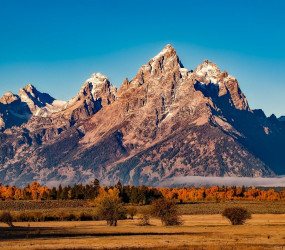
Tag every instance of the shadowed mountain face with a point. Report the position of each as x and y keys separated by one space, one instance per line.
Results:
x=167 y=121
x=16 y=110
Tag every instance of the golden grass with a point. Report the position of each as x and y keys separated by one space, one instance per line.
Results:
x=202 y=207
x=255 y=207
x=198 y=231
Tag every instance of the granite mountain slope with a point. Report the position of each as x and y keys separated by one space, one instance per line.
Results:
x=167 y=121
x=18 y=109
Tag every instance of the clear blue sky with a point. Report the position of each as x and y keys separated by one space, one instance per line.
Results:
x=56 y=45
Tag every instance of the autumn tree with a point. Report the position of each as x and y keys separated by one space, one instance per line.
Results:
x=109 y=206
x=166 y=211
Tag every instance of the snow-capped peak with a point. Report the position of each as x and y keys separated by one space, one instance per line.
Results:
x=96 y=86
x=163 y=61
x=208 y=72
x=98 y=83
x=167 y=56
x=97 y=79
x=167 y=49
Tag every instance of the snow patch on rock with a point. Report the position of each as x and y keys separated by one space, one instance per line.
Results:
x=208 y=71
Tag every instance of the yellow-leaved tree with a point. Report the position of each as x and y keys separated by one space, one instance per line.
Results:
x=109 y=206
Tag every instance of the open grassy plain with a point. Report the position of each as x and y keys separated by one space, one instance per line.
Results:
x=263 y=231
x=203 y=228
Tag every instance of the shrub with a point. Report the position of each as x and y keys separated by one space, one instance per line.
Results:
x=132 y=211
x=38 y=216
x=70 y=217
x=29 y=216
x=23 y=217
x=236 y=215
x=85 y=216
x=7 y=218
x=60 y=215
x=144 y=217
x=49 y=217
x=166 y=211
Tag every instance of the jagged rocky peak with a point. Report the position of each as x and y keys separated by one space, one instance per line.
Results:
x=34 y=99
x=167 y=57
x=18 y=109
x=126 y=82
x=165 y=60
x=165 y=122
x=207 y=72
x=28 y=91
x=95 y=93
x=97 y=87
x=164 y=64
x=100 y=85
x=30 y=88
x=8 y=98
x=40 y=104
x=124 y=87
x=239 y=100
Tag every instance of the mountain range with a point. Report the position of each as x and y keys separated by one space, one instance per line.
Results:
x=167 y=121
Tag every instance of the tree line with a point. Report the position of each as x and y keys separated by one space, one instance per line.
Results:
x=108 y=205
x=138 y=195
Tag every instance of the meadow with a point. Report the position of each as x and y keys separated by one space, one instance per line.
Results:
x=203 y=228
x=76 y=218
x=266 y=231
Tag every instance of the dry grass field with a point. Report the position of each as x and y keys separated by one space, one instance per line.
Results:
x=263 y=231
x=203 y=228
x=255 y=207
x=202 y=207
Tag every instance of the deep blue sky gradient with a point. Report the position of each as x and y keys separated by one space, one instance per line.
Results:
x=56 y=45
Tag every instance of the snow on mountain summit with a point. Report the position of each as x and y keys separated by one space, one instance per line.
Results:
x=207 y=72
x=100 y=83
x=18 y=109
x=165 y=60
x=40 y=104
x=165 y=122
x=93 y=88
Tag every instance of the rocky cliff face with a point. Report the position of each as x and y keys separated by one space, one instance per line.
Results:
x=16 y=110
x=167 y=121
x=13 y=112
x=95 y=93
x=209 y=77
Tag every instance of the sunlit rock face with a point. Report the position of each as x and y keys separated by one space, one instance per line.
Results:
x=16 y=110
x=167 y=121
